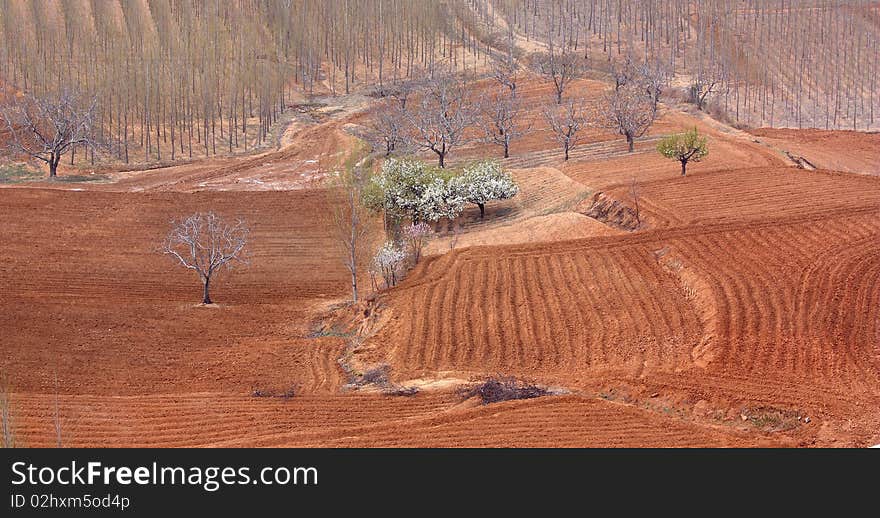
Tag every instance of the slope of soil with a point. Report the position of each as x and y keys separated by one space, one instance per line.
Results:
x=850 y=151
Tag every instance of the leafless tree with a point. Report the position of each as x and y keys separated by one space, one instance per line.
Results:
x=206 y=244
x=351 y=221
x=629 y=112
x=444 y=114
x=623 y=72
x=707 y=82
x=389 y=125
x=45 y=128
x=501 y=121
x=653 y=78
x=635 y=197
x=505 y=74
x=559 y=66
x=566 y=121
x=402 y=91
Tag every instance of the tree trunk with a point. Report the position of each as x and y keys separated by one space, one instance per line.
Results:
x=442 y=160
x=206 y=299
x=565 y=147
x=53 y=165
x=506 y=150
x=558 y=96
x=631 y=143
x=482 y=207
x=683 y=167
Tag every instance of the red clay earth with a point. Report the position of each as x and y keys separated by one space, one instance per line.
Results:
x=743 y=313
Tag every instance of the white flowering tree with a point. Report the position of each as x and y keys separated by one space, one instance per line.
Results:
x=409 y=188
x=485 y=181
x=388 y=261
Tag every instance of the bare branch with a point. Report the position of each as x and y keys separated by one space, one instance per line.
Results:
x=205 y=244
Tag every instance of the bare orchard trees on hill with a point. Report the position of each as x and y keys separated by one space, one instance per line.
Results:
x=47 y=128
x=206 y=244
x=182 y=78
x=629 y=112
x=446 y=110
x=784 y=62
x=566 y=122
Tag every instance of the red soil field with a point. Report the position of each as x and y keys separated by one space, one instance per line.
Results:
x=744 y=307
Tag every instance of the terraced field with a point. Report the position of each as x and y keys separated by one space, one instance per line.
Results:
x=745 y=306
x=437 y=420
x=770 y=290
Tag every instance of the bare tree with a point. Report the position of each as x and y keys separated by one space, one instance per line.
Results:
x=652 y=77
x=635 y=195
x=444 y=114
x=205 y=244
x=500 y=121
x=566 y=121
x=623 y=72
x=351 y=220
x=628 y=111
x=45 y=128
x=402 y=91
x=389 y=125
x=560 y=67
x=505 y=74
x=708 y=81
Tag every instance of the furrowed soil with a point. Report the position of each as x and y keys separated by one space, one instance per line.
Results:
x=743 y=311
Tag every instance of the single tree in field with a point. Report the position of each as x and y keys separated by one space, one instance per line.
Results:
x=629 y=112
x=46 y=128
x=206 y=244
x=560 y=67
x=444 y=114
x=566 y=122
x=483 y=182
x=389 y=125
x=500 y=121
x=351 y=220
x=684 y=147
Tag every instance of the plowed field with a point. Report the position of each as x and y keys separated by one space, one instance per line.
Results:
x=744 y=312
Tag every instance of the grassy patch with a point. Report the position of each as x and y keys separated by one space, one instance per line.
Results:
x=14 y=173
x=80 y=178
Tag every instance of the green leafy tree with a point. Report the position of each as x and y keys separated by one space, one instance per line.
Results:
x=684 y=147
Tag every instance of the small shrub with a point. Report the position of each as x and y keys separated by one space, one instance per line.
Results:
x=378 y=375
x=388 y=262
x=415 y=235
x=502 y=388
x=401 y=391
x=287 y=394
